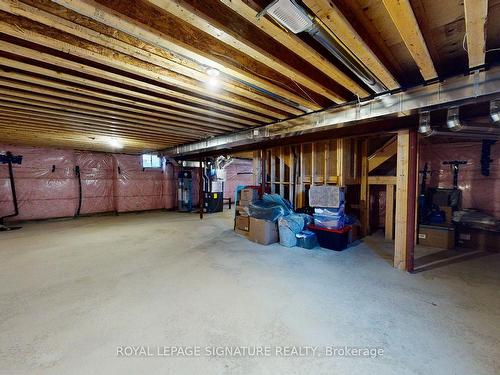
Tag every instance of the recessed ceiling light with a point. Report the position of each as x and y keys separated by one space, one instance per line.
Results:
x=213 y=72
x=115 y=143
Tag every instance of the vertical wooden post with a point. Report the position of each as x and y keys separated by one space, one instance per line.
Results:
x=313 y=163
x=389 y=212
x=256 y=167
x=263 y=169
x=292 y=188
x=302 y=172
x=272 y=173
x=364 y=199
x=405 y=200
x=326 y=172
x=343 y=161
x=282 y=172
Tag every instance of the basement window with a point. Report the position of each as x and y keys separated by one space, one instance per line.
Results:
x=151 y=161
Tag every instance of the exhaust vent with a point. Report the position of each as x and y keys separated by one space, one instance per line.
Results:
x=289 y=14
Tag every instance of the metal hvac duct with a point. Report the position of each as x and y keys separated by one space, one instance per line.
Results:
x=295 y=18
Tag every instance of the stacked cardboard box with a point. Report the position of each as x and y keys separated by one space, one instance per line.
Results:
x=242 y=219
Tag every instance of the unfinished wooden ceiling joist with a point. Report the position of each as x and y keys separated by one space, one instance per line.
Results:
x=76 y=73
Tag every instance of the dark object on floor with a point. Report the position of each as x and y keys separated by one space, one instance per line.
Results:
x=307 y=239
x=478 y=239
x=332 y=239
x=10 y=159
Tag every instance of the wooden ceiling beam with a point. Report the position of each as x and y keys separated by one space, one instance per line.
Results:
x=134 y=98
x=180 y=75
x=74 y=141
x=148 y=34
x=14 y=89
x=332 y=18
x=119 y=61
x=476 y=14
x=35 y=117
x=211 y=26
x=96 y=74
x=293 y=43
x=18 y=106
x=50 y=125
x=405 y=21
x=46 y=94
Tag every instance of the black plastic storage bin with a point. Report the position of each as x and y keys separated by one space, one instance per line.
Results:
x=333 y=239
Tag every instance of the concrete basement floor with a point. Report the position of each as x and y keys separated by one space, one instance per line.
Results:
x=72 y=291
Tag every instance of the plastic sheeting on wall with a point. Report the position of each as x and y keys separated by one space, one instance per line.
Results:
x=47 y=185
x=96 y=171
x=137 y=188
x=478 y=191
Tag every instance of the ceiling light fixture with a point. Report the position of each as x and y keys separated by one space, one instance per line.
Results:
x=424 y=124
x=213 y=77
x=453 y=119
x=113 y=142
x=495 y=111
x=213 y=72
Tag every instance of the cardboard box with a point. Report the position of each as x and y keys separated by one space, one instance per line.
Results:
x=242 y=223
x=478 y=239
x=243 y=233
x=263 y=231
x=244 y=203
x=249 y=195
x=442 y=236
x=243 y=210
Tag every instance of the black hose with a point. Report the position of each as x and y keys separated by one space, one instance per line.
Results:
x=8 y=159
x=77 y=171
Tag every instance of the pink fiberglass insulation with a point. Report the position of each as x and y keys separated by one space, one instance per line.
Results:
x=45 y=184
x=136 y=188
x=478 y=191
x=96 y=171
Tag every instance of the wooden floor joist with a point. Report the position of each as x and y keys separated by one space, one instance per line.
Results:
x=332 y=17
x=129 y=96
x=181 y=72
x=160 y=39
x=403 y=17
x=476 y=13
x=114 y=60
x=186 y=12
x=295 y=44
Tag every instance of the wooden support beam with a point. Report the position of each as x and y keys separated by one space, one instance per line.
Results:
x=273 y=171
x=383 y=154
x=364 y=200
x=210 y=25
x=40 y=93
x=389 y=212
x=406 y=200
x=382 y=180
x=41 y=100
x=282 y=171
x=67 y=26
x=294 y=43
x=405 y=21
x=28 y=31
x=476 y=13
x=128 y=96
x=334 y=20
x=161 y=39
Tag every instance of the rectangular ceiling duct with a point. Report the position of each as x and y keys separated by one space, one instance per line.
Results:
x=288 y=14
